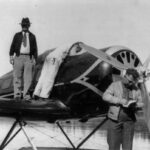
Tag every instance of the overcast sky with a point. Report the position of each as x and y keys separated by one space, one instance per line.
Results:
x=99 y=23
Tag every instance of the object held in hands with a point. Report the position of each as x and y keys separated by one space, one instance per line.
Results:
x=130 y=103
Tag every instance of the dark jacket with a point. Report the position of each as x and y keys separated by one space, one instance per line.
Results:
x=16 y=45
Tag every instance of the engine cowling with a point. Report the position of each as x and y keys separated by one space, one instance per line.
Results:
x=123 y=55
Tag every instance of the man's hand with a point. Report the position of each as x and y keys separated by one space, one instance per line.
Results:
x=123 y=101
x=11 y=60
x=139 y=104
x=34 y=61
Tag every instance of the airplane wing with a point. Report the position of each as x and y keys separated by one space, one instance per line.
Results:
x=104 y=57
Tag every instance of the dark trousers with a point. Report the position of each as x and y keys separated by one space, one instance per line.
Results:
x=120 y=134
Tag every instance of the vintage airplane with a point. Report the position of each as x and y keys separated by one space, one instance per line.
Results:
x=77 y=92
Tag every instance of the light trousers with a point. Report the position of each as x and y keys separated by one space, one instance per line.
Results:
x=23 y=74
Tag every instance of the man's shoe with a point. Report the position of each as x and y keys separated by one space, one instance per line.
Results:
x=35 y=97
x=43 y=99
x=27 y=98
x=17 y=99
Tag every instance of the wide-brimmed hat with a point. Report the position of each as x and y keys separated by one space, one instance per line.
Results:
x=25 y=21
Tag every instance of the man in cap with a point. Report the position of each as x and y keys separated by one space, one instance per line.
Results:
x=23 y=54
x=124 y=98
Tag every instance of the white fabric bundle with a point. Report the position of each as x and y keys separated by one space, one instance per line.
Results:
x=49 y=71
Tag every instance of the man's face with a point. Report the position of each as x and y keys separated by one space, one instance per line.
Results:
x=130 y=81
x=25 y=28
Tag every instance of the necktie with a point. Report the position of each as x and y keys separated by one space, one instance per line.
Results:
x=24 y=40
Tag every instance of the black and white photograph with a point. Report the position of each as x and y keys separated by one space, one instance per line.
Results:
x=74 y=75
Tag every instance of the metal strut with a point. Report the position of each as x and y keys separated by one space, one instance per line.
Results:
x=9 y=137
x=6 y=141
x=28 y=138
x=86 y=138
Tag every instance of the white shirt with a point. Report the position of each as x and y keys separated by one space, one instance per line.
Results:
x=25 y=50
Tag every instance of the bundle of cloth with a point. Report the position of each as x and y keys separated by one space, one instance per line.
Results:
x=50 y=70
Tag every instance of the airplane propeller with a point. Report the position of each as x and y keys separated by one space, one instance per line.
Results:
x=144 y=71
